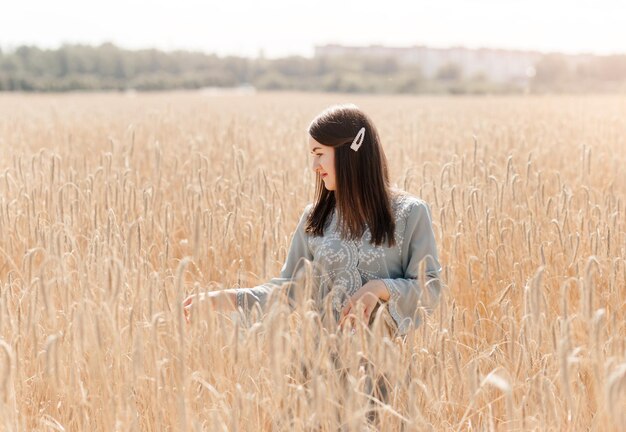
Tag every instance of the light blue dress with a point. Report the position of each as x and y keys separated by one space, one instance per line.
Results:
x=340 y=267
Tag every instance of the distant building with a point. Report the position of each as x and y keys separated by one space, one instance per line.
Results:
x=496 y=65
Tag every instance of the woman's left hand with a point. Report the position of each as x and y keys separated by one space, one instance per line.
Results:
x=369 y=295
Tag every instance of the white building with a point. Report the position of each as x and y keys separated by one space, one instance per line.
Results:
x=496 y=65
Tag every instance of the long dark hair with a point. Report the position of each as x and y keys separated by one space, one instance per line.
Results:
x=362 y=192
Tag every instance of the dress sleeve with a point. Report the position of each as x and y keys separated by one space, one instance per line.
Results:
x=298 y=252
x=406 y=294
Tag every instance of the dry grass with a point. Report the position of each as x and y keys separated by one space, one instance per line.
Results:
x=113 y=208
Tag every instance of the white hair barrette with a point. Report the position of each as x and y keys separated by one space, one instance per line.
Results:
x=358 y=139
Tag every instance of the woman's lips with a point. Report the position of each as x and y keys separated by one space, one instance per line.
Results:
x=324 y=175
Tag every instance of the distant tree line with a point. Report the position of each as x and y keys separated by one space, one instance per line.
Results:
x=107 y=67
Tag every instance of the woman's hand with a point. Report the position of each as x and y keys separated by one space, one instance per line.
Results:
x=369 y=295
x=189 y=301
x=221 y=300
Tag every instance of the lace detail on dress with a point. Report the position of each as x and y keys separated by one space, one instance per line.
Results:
x=345 y=265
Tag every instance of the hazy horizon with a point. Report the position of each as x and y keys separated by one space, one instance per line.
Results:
x=279 y=28
x=10 y=47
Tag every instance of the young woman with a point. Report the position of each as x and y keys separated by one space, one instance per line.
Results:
x=364 y=240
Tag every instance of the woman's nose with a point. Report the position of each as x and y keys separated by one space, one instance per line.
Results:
x=316 y=165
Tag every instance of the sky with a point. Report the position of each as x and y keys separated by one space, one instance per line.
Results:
x=280 y=27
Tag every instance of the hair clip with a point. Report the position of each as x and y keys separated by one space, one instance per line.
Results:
x=358 y=139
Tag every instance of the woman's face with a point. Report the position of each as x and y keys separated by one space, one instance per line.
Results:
x=323 y=162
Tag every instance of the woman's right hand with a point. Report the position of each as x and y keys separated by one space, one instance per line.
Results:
x=189 y=300
x=221 y=300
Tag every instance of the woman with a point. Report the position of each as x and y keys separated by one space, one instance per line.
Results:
x=363 y=239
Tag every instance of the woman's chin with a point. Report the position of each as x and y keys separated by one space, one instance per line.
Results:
x=327 y=186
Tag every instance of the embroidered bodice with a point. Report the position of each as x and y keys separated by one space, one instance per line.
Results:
x=341 y=266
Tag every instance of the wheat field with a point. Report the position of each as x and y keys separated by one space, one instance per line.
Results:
x=114 y=208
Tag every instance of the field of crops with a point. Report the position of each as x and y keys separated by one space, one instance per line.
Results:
x=114 y=207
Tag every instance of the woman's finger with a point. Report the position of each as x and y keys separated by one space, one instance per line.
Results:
x=346 y=310
x=188 y=300
x=342 y=320
x=348 y=318
x=354 y=323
